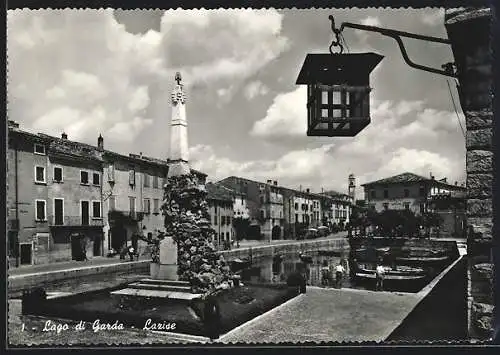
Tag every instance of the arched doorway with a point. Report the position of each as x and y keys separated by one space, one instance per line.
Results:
x=276 y=232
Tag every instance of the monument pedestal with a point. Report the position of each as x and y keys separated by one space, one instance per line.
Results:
x=167 y=268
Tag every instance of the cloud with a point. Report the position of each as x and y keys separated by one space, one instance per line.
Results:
x=434 y=17
x=254 y=89
x=287 y=116
x=371 y=21
x=82 y=72
x=221 y=43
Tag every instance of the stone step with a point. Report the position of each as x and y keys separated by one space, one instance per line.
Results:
x=157 y=294
x=145 y=286
x=164 y=282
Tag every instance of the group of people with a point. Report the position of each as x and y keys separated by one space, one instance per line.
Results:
x=327 y=274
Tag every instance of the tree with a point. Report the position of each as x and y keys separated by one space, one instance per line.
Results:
x=431 y=220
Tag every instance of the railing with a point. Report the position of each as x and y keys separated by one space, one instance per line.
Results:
x=75 y=221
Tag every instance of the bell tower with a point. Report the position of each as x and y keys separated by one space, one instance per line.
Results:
x=179 y=150
x=352 y=187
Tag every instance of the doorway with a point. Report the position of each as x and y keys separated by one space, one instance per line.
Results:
x=58 y=211
x=26 y=253
x=97 y=245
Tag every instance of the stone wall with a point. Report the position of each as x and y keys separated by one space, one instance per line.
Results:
x=469 y=32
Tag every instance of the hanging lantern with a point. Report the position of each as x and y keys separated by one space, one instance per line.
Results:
x=338 y=92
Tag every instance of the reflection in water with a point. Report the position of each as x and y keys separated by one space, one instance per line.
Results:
x=276 y=269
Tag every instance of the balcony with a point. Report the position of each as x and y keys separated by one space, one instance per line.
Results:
x=73 y=221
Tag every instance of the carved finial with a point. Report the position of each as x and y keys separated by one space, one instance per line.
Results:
x=178 y=78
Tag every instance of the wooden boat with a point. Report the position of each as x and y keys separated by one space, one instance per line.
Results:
x=398 y=271
x=329 y=253
x=388 y=276
x=239 y=264
x=423 y=259
x=306 y=258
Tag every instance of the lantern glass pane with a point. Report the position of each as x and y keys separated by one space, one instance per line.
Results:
x=337 y=113
x=324 y=97
x=324 y=113
x=336 y=97
x=348 y=98
x=348 y=113
x=321 y=125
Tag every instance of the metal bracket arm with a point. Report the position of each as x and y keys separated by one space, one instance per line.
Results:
x=396 y=35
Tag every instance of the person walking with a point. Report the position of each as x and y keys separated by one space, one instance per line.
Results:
x=339 y=274
x=325 y=274
x=379 y=276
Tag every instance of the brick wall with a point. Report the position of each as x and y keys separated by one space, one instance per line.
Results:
x=469 y=31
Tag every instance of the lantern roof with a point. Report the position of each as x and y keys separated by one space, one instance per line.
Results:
x=329 y=68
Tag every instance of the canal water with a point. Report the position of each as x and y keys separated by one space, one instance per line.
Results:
x=277 y=268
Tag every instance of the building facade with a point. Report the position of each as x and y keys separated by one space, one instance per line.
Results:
x=420 y=195
x=67 y=198
x=54 y=199
x=221 y=209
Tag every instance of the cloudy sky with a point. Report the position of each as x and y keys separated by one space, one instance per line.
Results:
x=111 y=72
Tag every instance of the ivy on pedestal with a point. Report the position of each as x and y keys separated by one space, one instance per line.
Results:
x=187 y=221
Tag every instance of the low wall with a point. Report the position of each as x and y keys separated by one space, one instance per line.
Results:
x=295 y=247
x=442 y=313
x=21 y=282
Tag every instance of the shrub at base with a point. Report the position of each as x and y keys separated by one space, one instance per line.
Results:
x=187 y=221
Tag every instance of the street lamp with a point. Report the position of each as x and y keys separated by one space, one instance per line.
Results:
x=338 y=85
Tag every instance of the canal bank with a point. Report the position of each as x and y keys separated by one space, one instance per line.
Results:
x=19 y=280
x=351 y=315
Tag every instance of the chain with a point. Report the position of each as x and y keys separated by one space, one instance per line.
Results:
x=337 y=41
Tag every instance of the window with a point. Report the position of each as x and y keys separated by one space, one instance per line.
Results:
x=296 y=218
x=386 y=206
x=156 y=206
x=84 y=177
x=222 y=220
x=58 y=211
x=39 y=149
x=262 y=215
x=40 y=174
x=40 y=210
x=96 y=209
x=146 y=180
x=96 y=179
x=155 y=182
x=111 y=173
x=227 y=235
x=386 y=193
x=228 y=218
x=58 y=174
x=131 y=177
x=296 y=206
x=261 y=199
x=131 y=203
x=147 y=206
x=112 y=203
x=407 y=206
x=85 y=213
x=421 y=191
x=407 y=193
x=337 y=213
x=422 y=208
x=215 y=219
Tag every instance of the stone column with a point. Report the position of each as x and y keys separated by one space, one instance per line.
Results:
x=179 y=149
x=469 y=32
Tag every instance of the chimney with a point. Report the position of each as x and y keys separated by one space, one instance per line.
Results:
x=64 y=135
x=269 y=182
x=275 y=183
x=100 y=142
